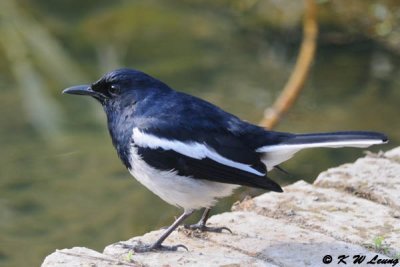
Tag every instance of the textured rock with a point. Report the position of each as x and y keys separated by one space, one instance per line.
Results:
x=375 y=177
x=337 y=214
x=350 y=210
x=78 y=257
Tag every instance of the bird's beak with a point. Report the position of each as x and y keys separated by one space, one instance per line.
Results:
x=83 y=90
x=79 y=90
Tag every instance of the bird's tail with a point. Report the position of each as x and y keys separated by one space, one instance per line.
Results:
x=288 y=146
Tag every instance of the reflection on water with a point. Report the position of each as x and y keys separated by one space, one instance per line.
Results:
x=73 y=191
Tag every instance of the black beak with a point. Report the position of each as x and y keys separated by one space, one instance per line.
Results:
x=79 y=90
x=83 y=90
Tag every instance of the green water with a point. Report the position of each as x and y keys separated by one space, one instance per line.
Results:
x=68 y=188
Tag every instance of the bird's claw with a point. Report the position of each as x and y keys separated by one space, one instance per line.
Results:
x=204 y=228
x=140 y=247
x=175 y=248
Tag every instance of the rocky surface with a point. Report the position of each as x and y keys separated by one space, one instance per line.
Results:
x=353 y=209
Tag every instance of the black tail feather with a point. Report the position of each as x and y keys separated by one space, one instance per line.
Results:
x=335 y=137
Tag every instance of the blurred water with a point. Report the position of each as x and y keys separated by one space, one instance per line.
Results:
x=73 y=191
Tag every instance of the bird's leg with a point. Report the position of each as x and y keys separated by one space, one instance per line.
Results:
x=201 y=225
x=140 y=247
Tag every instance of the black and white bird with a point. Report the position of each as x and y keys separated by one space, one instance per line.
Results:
x=188 y=151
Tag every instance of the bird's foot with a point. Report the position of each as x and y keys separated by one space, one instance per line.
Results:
x=140 y=247
x=203 y=228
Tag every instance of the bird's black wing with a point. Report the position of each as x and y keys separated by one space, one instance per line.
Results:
x=205 y=168
x=200 y=141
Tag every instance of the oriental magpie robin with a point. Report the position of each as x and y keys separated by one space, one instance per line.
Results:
x=190 y=152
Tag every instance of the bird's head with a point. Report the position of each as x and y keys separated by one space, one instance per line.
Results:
x=119 y=85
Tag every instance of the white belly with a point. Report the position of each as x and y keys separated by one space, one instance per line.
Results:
x=181 y=191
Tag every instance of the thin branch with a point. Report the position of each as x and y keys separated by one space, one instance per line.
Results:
x=300 y=73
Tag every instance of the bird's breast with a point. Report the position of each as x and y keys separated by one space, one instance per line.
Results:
x=177 y=190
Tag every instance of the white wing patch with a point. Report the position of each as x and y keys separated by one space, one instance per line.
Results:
x=276 y=154
x=190 y=149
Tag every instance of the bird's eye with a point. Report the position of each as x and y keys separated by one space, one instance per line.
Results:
x=114 y=89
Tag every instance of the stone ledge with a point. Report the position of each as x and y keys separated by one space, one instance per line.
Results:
x=342 y=213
